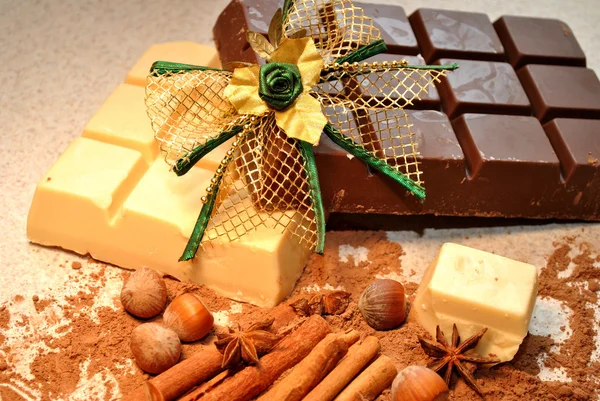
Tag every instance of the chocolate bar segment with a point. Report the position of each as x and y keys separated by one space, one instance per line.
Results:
x=482 y=87
x=456 y=34
x=559 y=91
x=348 y=186
x=529 y=40
x=577 y=144
x=393 y=25
x=512 y=168
x=239 y=17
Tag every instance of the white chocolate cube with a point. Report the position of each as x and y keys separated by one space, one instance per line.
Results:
x=475 y=289
x=177 y=52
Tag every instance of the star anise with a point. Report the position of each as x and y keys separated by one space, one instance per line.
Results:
x=237 y=345
x=453 y=355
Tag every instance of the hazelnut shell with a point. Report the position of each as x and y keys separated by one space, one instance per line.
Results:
x=418 y=383
x=188 y=317
x=383 y=304
x=144 y=294
x=155 y=347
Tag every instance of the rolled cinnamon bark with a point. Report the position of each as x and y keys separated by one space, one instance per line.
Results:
x=253 y=380
x=359 y=355
x=182 y=377
x=311 y=370
x=371 y=382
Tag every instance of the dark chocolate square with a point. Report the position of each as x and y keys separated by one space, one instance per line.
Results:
x=577 y=144
x=394 y=27
x=511 y=164
x=561 y=91
x=239 y=17
x=482 y=87
x=529 y=40
x=456 y=34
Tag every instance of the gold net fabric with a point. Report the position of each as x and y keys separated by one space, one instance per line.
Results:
x=264 y=185
x=187 y=109
x=262 y=181
x=337 y=27
x=366 y=102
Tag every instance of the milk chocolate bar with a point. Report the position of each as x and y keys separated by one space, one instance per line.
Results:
x=517 y=135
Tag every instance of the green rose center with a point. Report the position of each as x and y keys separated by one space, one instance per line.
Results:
x=279 y=84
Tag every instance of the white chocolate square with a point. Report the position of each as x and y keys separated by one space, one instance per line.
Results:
x=122 y=120
x=178 y=52
x=82 y=193
x=475 y=289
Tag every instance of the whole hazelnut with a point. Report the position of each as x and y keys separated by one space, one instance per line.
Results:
x=144 y=294
x=188 y=317
x=383 y=304
x=418 y=383
x=155 y=347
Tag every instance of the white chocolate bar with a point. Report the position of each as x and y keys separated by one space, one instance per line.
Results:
x=475 y=289
x=112 y=195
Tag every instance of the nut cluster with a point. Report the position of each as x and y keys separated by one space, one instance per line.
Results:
x=156 y=347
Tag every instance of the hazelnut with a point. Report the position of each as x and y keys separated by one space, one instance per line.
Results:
x=188 y=317
x=144 y=294
x=383 y=304
x=418 y=383
x=155 y=347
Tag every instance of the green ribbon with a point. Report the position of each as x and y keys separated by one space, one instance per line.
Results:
x=188 y=161
x=163 y=67
x=279 y=84
x=364 y=52
x=367 y=157
x=198 y=232
x=310 y=166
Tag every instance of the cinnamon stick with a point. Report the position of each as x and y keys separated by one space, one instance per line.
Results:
x=371 y=382
x=182 y=377
x=311 y=370
x=359 y=355
x=253 y=380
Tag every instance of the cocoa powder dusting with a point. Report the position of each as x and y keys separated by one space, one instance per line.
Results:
x=102 y=344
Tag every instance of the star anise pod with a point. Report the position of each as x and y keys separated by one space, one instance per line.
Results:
x=237 y=345
x=453 y=355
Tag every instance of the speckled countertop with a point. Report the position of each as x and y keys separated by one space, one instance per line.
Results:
x=61 y=59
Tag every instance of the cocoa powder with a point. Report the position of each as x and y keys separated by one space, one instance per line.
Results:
x=101 y=343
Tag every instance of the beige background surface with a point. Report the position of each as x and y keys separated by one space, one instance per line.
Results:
x=61 y=59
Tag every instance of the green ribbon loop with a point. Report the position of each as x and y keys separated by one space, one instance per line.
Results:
x=279 y=84
x=367 y=157
x=188 y=161
x=310 y=166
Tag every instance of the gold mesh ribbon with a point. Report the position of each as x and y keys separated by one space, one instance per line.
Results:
x=268 y=178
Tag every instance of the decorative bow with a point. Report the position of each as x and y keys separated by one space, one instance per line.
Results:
x=312 y=83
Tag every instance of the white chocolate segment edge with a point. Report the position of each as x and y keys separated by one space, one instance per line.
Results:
x=475 y=289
